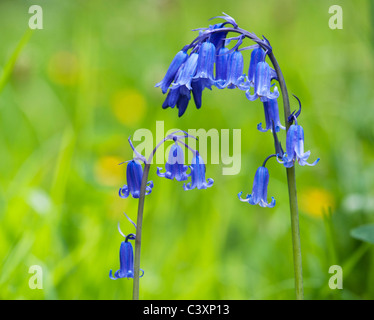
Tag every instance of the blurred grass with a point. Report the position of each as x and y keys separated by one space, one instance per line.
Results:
x=73 y=92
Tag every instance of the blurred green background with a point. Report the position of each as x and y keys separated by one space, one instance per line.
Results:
x=72 y=93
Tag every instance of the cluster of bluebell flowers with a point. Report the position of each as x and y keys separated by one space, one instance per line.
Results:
x=208 y=62
x=175 y=169
x=212 y=59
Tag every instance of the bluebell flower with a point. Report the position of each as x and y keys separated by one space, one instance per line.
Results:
x=271 y=115
x=177 y=62
x=259 y=191
x=205 y=65
x=234 y=71
x=295 y=148
x=175 y=167
x=179 y=97
x=221 y=65
x=197 y=92
x=198 y=175
x=126 y=259
x=204 y=77
x=134 y=174
x=258 y=55
x=180 y=92
x=186 y=72
x=263 y=76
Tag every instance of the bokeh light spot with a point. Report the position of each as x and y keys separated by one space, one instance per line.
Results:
x=63 y=68
x=316 y=201
x=108 y=172
x=129 y=106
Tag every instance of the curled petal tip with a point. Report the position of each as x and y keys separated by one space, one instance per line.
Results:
x=160 y=174
x=271 y=204
x=187 y=186
x=210 y=182
x=259 y=128
x=240 y=197
x=312 y=164
x=111 y=276
x=124 y=192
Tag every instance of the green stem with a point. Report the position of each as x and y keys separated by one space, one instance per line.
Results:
x=291 y=180
x=138 y=239
x=9 y=66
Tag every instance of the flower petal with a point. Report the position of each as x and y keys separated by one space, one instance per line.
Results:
x=177 y=62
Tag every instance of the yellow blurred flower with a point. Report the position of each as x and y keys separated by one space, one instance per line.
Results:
x=315 y=202
x=108 y=172
x=118 y=205
x=63 y=68
x=129 y=106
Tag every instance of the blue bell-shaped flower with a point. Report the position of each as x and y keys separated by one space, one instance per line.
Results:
x=198 y=175
x=259 y=190
x=126 y=260
x=177 y=62
x=262 y=84
x=175 y=167
x=295 y=148
x=134 y=174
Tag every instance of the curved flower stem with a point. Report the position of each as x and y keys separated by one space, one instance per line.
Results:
x=291 y=180
x=138 y=239
x=139 y=221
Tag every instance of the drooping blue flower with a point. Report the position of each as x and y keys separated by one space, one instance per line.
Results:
x=263 y=76
x=295 y=148
x=175 y=167
x=271 y=115
x=221 y=65
x=234 y=71
x=258 y=55
x=177 y=62
x=180 y=92
x=126 y=259
x=205 y=65
x=204 y=77
x=179 y=97
x=198 y=175
x=197 y=92
x=134 y=174
x=187 y=72
x=259 y=190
